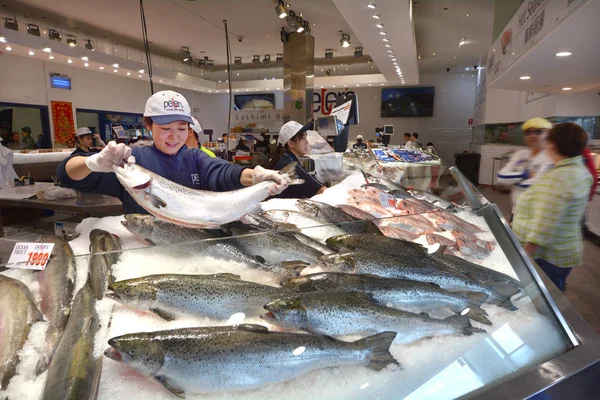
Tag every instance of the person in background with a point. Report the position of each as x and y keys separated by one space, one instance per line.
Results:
x=548 y=215
x=167 y=116
x=526 y=165
x=70 y=143
x=39 y=143
x=193 y=139
x=370 y=143
x=16 y=143
x=359 y=145
x=243 y=146
x=415 y=141
x=588 y=160
x=85 y=141
x=407 y=142
x=28 y=142
x=293 y=143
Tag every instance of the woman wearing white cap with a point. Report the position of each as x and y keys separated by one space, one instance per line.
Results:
x=167 y=115
x=359 y=145
x=292 y=137
x=85 y=141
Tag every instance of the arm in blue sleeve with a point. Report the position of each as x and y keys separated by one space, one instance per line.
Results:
x=96 y=182
x=218 y=175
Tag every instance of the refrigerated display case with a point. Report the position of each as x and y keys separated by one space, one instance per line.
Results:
x=542 y=346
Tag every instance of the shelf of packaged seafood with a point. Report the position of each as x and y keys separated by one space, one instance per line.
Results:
x=369 y=290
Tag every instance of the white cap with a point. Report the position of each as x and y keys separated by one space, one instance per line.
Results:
x=195 y=125
x=359 y=137
x=288 y=131
x=83 y=131
x=167 y=106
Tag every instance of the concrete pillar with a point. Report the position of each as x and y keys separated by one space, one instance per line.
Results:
x=298 y=77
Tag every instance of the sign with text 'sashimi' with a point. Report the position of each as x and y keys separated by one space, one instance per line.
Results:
x=266 y=118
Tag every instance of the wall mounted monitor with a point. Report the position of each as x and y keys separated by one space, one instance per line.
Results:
x=407 y=102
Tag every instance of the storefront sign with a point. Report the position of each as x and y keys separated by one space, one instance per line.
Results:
x=262 y=117
x=30 y=255
x=62 y=121
x=324 y=101
x=533 y=20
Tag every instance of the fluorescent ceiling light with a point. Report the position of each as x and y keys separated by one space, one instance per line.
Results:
x=372 y=5
x=70 y=61
x=376 y=16
x=31 y=52
x=563 y=54
x=380 y=26
x=86 y=65
x=524 y=78
x=566 y=88
x=51 y=57
x=8 y=48
x=47 y=50
x=385 y=40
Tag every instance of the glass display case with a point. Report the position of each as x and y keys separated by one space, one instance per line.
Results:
x=437 y=265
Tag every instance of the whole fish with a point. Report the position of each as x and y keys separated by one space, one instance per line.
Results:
x=338 y=314
x=173 y=296
x=158 y=232
x=17 y=313
x=406 y=295
x=503 y=284
x=316 y=228
x=185 y=206
x=377 y=186
x=338 y=217
x=431 y=198
x=100 y=270
x=381 y=244
x=375 y=209
x=412 y=223
x=415 y=206
x=272 y=246
x=472 y=248
x=449 y=222
x=218 y=359
x=71 y=373
x=56 y=291
x=382 y=181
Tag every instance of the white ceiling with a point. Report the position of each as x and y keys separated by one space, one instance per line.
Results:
x=549 y=74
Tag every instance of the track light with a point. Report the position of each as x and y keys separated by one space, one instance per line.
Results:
x=329 y=53
x=345 y=40
x=256 y=59
x=33 y=29
x=300 y=23
x=186 y=56
x=267 y=59
x=358 y=52
x=306 y=27
x=11 y=24
x=71 y=40
x=279 y=58
x=283 y=35
x=210 y=63
x=280 y=9
x=238 y=61
x=53 y=34
x=292 y=21
x=201 y=63
x=89 y=45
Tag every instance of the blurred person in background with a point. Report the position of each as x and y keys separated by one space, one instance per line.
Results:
x=415 y=141
x=548 y=215
x=193 y=139
x=85 y=141
x=407 y=141
x=359 y=145
x=15 y=143
x=28 y=142
x=39 y=143
x=526 y=165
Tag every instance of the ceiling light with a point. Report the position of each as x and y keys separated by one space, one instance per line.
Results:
x=267 y=58
x=566 y=88
x=11 y=24
x=116 y=65
x=70 y=61
x=33 y=29
x=345 y=40
x=8 y=48
x=2 y=39
x=434 y=54
x=31 y=52
x=524 y=78
x=256 y=59
x=382 y=33
x=292 y=21
x=382 y=84
x=279 y=58
x=129 y=73
x=369 y=84
x=300 y=25
x=85 y=58
x=71 y=40
x=185 y=55
x=467 y=15
x=47 y=50
x=51 y=57
x=139 y=76
x=328 y=53
x=563 y=54
x=376 y=16
x=89 y=45
x=238 y=61
x=371 y=5
x=380 y=26
x=280 y=9
x=141 y=71
x=101 y=67
x=86 y=65
x=387 y=45
x=358 y=52
x=390 y=51
x=385 y=40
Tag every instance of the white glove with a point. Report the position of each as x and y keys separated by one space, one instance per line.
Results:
x=280 y=182
x=112 y=154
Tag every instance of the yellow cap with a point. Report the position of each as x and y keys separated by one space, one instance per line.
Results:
x=536 y=123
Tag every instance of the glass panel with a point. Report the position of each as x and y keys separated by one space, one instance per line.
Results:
x=13 y=119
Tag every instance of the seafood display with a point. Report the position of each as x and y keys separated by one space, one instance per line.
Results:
x=332 y=298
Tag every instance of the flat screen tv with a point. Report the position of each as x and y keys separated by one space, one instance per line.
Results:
x=407 y=102
x=264 y=101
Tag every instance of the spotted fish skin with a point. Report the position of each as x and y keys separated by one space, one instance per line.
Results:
x=101 y=264
x=182 y=296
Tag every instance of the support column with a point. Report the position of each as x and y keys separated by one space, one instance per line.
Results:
x=298 y=77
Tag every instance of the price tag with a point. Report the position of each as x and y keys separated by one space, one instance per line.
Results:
x=387 y=200
x=30 y=255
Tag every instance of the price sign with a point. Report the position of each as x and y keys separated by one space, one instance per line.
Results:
x=30 y=255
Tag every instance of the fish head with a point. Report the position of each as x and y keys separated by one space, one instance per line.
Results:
x=144 y=355
x=277 y=215
x=307 y=207
x=343 y=262
x=133 y=177
x=134 y=292
x=140 y=225
x=299 y=284
x=287 y=313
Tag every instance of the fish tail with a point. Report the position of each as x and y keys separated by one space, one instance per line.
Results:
x=475 y=298
x=379 y=350
x=504 y=303
x=479 y=315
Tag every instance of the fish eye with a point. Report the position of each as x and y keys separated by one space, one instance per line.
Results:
x=131 y=352
x=127 y=291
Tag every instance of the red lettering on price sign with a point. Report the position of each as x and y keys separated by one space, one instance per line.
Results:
x=30 y=255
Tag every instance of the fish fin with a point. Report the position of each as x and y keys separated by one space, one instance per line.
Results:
x=259 y=259
x=227 y=275
x=97 y=376
x=475 y=298
x=150 y=242
x=252 y=328
x=163 y=314
x=379 y=350
x=471 y=330
x=143 y=185
x=424 y=314
x=479 y=315
x=365 y=296
x=164 y=381
x=156 y=201
x=507 y=304
x=289 y=169
x=459 y=320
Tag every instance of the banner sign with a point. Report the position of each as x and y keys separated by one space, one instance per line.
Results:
x=534 y=20
x=267 y=118
x=62 y=120
x=324 y=100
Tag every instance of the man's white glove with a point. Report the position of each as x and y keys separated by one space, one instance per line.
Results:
x=112 y=154
x=280 y=182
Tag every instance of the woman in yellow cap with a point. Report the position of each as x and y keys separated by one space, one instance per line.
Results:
x=526 y=165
